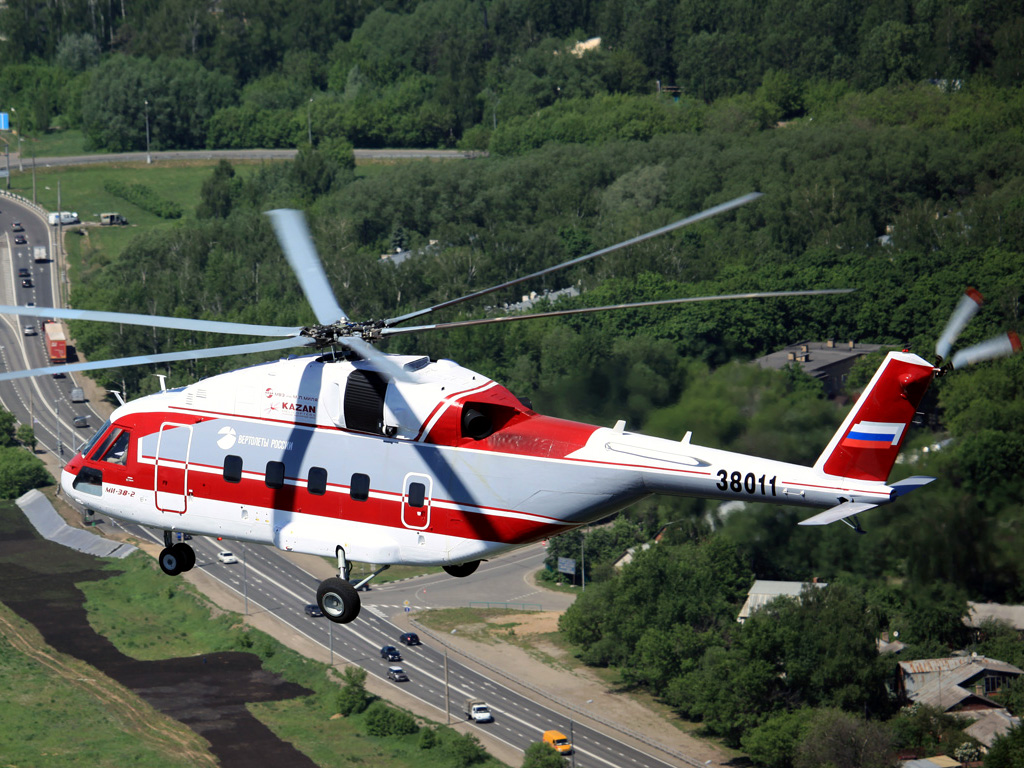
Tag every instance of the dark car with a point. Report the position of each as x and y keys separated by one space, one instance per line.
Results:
x=26 y=283
x=397 y=674
x=314 y=611
x=59 y=375
x=409 y=638
x=20 y=240
x=23 y=272
x=390 y=653
x=364 y=588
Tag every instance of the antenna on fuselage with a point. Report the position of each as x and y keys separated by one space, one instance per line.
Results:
x=163 y=381
x=117 y=394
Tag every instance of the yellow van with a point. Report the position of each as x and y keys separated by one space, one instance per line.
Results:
x=559 y=741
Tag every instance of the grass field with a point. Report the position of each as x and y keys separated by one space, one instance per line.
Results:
x=101 y=723
x=147 y=618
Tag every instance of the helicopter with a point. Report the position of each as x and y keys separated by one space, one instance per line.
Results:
x=358 y=455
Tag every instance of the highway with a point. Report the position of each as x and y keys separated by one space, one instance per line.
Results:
x=270 y=582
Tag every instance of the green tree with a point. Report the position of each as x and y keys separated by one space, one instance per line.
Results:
x=27 y=437
x=542 y=755
x=841 y=740
x=7 y=422
x=1007 y=751
x=218 y=193
x=20 y=472
x=353 y=698
x=382 y=720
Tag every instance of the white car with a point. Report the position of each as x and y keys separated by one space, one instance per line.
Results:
x=226 y=557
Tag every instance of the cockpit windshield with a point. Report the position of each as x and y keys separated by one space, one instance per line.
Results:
x=92 y=440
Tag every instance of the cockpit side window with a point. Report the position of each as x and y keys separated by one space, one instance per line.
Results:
x=115 y=449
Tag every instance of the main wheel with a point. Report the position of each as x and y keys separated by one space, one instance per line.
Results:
x=338 y=600
x=186 y=556
x=462 y=570
x=171 y=561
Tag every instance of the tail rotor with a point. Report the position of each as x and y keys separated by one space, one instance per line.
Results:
x=1004 y=345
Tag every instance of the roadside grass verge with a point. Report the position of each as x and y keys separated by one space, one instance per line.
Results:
x=148 y=616
x=100 y=722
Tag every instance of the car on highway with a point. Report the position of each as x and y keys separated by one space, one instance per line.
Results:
x=390 y=653
x=59 y=375
x=397 y=674
x=313 y=610
x=409 y=638
x=20 y=240
x=23 y=272
x=16 y=227
x=364 y=588
x=81 y=421
x=226 y=557
x=30 y=330
x=26 y=283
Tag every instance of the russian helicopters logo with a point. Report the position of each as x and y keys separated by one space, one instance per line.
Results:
x=227 y=438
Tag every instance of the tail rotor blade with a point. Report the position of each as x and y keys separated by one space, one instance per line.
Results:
x=967 y=308
x=297 y=243
x=1001 y=346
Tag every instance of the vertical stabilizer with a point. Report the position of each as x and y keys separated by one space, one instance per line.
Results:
x=866 y=445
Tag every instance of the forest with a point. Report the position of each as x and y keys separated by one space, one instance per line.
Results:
x=887 y=140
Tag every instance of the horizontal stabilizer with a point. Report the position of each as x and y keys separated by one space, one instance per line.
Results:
x=844 y=510
x=908 y=484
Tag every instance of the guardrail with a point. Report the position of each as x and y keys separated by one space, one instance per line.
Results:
x=517 y=606
x=26 y=202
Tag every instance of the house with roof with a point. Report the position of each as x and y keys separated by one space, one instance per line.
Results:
x=828 y=361
x=961 y=685
x=763 y=591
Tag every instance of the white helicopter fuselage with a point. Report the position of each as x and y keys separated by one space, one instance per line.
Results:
x=443 y=466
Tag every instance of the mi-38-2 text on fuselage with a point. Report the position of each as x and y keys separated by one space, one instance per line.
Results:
x=390 y=459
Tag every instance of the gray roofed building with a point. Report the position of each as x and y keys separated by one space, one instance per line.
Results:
x=961 y=685
x=828 y=361
x=763 y=591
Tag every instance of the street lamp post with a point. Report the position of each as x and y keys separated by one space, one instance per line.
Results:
x=149 y=158
x=309 y=122
x=21 y=166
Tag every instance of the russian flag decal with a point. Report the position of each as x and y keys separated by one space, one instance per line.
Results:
x=874 y=434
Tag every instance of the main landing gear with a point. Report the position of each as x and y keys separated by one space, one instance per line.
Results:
x=337 y=596
x=176 y=558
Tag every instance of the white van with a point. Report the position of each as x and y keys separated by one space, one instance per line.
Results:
x=63 y=217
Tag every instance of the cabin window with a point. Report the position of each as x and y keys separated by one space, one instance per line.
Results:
x=360 y=488
x=233 y=468
x=99 y=453
x=316 y=483
x=275 y=474
x=417 y=494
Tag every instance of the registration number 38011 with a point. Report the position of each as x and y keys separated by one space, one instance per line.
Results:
x=737 y=482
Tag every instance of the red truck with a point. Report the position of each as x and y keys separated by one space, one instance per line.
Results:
x=56 y=343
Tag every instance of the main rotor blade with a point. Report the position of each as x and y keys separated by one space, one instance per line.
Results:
x=177 y=323
x=587 y=310
x=194 y=354
x=297 y=243
x=722 y=208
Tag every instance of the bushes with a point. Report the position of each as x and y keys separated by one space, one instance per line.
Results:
x=145 y=198
x=382 y=720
